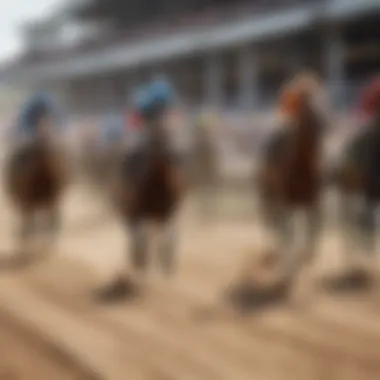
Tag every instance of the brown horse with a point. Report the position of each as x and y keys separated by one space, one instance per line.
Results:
x=204 y=168
x=289 y=177
x=355 y=178
x=35 y=177
x=148 y=189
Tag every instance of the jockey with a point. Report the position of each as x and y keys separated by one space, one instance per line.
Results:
x=303 y=84
x=149 y=103
x=369 y=103
x=154 y=99
x=39 y=111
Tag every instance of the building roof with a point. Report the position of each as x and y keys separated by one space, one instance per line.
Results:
x=205 y=31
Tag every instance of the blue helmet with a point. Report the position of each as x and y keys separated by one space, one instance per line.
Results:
x=41 y=104
x=163 y=92
x=158 y=94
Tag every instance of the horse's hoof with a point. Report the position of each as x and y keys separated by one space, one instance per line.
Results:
x=120 y=289
x=357 y=279
x=249 y=296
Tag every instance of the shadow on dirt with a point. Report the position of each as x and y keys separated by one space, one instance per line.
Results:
x=353 y=281
x=120 y=290
x=12 y=261
x=246 y=297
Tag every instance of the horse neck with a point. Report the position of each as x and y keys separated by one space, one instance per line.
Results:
x=305 y=138
x=308 y=126
x=156 y=139
x=43 y=148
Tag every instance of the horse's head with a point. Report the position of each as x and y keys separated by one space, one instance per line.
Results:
x=300 y=99
x=305 y=116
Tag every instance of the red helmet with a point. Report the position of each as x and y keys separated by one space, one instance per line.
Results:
x=369 y=102
x=134 y=120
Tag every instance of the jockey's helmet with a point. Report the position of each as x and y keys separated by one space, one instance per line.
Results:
x=303 y=86
x=369 y=102
x=38 y=107
x=154 y=97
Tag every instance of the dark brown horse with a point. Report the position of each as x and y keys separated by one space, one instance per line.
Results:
x=356 y=177
x=204 y=168
x=289 y=177
x=148 y=189
x=35 y=178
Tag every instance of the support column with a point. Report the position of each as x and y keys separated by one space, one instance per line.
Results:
x=296 y=57
x=213 y=81
x=109 y=93
x=248 y=75
x=334 y=53
x=133 y=84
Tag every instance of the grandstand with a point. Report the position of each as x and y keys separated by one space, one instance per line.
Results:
x=227 y=53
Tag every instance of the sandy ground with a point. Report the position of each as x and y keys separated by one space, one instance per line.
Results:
x=26 y=355
x=52 y=328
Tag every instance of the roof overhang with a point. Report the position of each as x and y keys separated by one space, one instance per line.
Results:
x=155 y=50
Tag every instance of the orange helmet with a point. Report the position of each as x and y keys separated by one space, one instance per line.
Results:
x=290 y=102
x=293 y=94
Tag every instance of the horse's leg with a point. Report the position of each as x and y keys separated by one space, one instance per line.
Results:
x=123 y=286
x=313 y=229
x=167 y=247
x=284 y=225
x=277 y=218
x=367 y=225
x=26 y=230
x=269 y=214
x=206 y=188
x=139 y=247
x=305 y=263
x=302 y=265
x=350 y=226
x=52 y=222
x=207 y=202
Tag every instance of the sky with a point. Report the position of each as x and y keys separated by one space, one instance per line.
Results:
x=12 y=14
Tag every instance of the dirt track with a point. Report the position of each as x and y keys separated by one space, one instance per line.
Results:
x=26 y=355
x=178 y=329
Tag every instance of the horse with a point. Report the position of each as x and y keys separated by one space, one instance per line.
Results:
x=356 y=179
x=204 y=167
x=35 y=179
x=289 y=178
x=148 y=188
